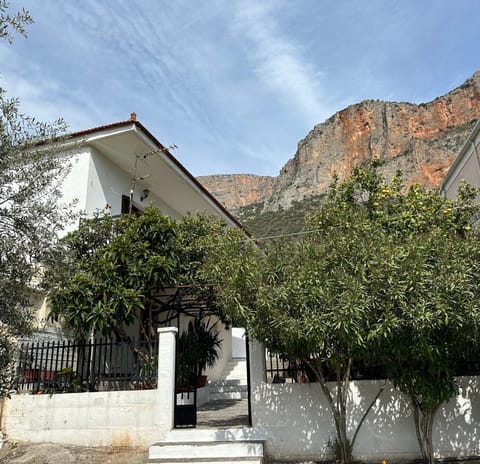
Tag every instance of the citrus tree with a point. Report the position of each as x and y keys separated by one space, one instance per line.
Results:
x=380 y=265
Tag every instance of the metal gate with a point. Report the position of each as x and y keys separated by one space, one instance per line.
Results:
x=185 y=414
x=185 y=408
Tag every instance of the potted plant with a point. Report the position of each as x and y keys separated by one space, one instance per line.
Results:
x=148 y=373
x=198 y=349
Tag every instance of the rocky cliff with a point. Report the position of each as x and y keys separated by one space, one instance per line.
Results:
x=421 y=140
x=237 y=190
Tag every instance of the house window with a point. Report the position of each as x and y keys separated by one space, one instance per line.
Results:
x=126 y=206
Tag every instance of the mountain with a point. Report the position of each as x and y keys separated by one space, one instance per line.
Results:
x=421 y=140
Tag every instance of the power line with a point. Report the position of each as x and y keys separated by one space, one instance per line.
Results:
x=291 y=234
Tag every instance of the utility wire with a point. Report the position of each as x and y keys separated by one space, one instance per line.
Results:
x=291 y=234
x=311 y=231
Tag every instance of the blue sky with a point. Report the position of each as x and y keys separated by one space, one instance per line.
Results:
x=235 y=84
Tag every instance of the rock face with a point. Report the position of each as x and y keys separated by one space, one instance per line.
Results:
x=421 y=140
x=237 y=190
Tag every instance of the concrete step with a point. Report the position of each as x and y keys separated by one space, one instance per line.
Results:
x=235 y=369
x=221 y=382
x=235 y=395
x=238 y=452
x=214 y=388
x=207 y=461
x=228 y=390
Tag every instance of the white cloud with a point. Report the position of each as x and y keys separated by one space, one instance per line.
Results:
x=278 y=60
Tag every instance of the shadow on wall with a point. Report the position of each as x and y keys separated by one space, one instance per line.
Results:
x=298 y=423
x=388 y=430
x=457 y=425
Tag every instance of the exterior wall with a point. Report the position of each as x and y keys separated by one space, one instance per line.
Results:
x=74 y=187
x=94 y=182
x=225 y=353
x=238 y=343
x=296 y=422
x=107 y=183
x=466 y=166
x=124 y=418
x=119 y=418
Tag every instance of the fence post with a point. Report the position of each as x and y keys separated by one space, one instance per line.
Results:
x=166 y=376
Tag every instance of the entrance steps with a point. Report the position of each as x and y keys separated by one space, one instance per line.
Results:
x=236 y=369
x=238 y=452
x=227 y=390
x=232 y=384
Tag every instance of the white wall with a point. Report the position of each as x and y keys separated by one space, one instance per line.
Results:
x=297 y=424
x=94 y=182
x=118 y=418
x=126 y=418
x=74 y=186
x=225 y=353
x=238 y=343
x=466 y=167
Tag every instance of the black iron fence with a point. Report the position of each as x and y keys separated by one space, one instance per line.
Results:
x=281 y=369
x=98 y=365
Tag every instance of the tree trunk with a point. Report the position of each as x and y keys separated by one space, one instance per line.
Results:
x=424 y=429
x=343 y=446
x=338 y=406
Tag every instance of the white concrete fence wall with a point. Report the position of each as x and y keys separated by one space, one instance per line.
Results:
x=293 y=419
x=296 y=422
x=119 y=418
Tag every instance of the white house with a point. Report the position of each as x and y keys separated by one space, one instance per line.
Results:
x=465 y=167
x=124 y=166
x=123 y=161
x=289 y=421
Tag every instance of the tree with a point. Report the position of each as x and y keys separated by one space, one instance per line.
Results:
x=30 y=214
x=106 y=275
x=309 y=300
x=10 y=23
x=380 y=265
x=430 y=296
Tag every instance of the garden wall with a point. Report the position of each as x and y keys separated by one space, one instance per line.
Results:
x=118 y=418
x=296 y=422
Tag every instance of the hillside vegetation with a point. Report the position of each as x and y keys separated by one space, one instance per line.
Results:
x=284 y=221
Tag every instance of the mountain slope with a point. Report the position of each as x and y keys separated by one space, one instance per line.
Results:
x=421 y=140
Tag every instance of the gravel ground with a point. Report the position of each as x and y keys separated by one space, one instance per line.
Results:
x=50 y=453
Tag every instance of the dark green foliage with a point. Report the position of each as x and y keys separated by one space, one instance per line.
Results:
x=104 y=276
x=198 y=349
x=283 y=221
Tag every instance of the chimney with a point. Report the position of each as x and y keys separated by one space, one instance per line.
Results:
x=133 y=116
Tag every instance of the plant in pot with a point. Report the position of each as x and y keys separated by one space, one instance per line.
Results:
x=148 y=372
x=198 y=349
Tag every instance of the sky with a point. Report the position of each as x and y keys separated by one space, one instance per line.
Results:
x=235 y=84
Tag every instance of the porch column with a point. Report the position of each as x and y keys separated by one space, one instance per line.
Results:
x=166 y=376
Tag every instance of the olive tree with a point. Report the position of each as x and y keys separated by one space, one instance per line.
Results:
x=31 y=170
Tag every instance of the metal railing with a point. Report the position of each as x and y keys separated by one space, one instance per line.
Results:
x=280 y=369
x=98 y=365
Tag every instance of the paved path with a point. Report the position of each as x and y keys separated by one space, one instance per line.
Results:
x=223 y=414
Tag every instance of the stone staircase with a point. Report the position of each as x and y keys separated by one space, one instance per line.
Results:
x=233 y=383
